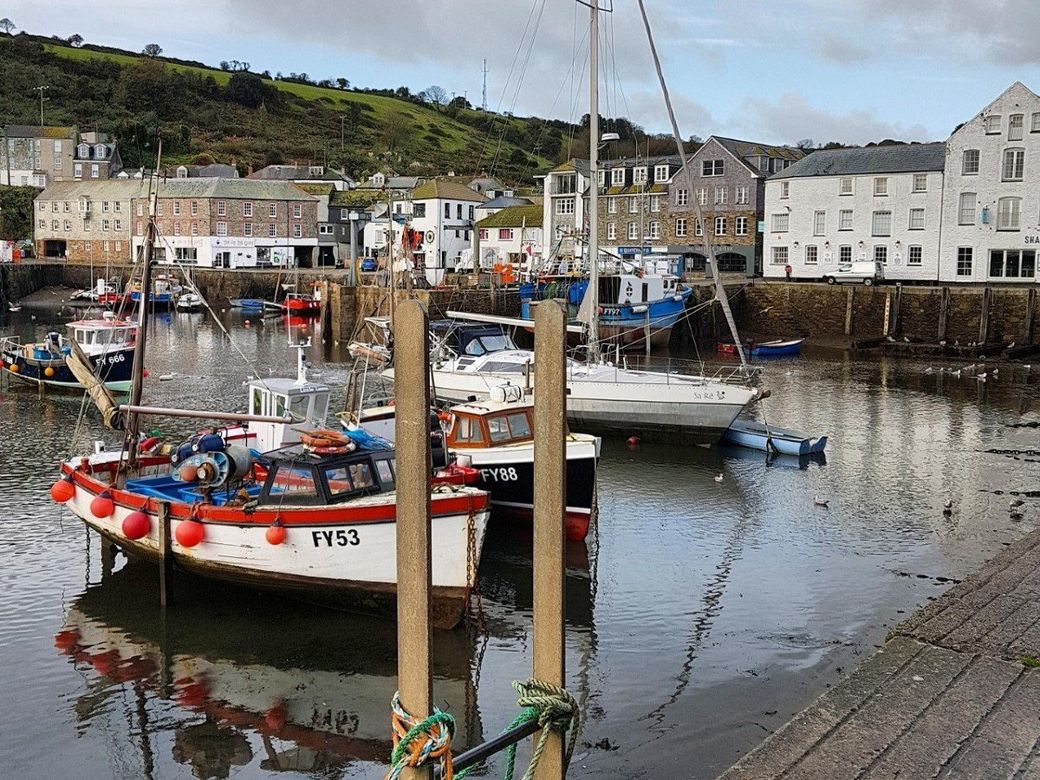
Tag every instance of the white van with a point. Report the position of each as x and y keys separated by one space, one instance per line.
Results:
x=866 y=271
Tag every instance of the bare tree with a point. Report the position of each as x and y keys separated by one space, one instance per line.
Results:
x=152 y=50
x=435 y=94
x=7 y=25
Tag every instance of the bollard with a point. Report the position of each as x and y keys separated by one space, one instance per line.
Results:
x=414 y=582
x=550 y=431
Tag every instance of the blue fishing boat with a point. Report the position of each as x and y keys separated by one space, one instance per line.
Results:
x=757 y=436
x=252 y=304
x=165 y=290
x=775 y=348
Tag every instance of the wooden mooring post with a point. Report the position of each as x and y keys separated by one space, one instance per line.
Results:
x=550 y=431
x=165 y=555
x=414 y=563
x=1027 y=336
x=849 y=311
x=987 y=293
x=944 y=314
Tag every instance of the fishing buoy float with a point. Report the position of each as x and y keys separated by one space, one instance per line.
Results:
x=102 y=505
x=275 y=533
x=48 y=372
x=136 y=525
x=633 y=442
x=14 y=368
x=189 y=473
x=189 y=533
x=63 y=490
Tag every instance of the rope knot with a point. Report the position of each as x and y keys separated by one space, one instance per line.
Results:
x=554 y=708
x=419 y=742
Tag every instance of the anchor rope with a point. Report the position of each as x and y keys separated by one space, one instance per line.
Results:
x=421 y=742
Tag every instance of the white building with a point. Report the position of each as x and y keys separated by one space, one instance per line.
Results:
x=880 y=203
x=513 y=235
x=991 y=204
x=565 y=188
x=442 y=211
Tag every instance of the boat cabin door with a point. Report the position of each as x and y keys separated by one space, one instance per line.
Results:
x=307 y=405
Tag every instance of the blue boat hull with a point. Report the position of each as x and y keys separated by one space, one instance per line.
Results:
x=162 y=301
x=768 y=350
x=114 y=369
x=781 y=440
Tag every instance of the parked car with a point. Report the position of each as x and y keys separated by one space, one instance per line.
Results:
x=368 y=264
x=865 y=271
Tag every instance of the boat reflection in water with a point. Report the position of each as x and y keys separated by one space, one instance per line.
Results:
x=254 y=680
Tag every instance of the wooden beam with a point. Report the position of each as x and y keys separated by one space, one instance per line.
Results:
x=550 y=430
x=414 y=564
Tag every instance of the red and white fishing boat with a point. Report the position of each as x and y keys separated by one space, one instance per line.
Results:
x=315 y=515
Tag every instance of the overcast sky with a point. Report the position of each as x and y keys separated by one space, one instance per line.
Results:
x=768 y=70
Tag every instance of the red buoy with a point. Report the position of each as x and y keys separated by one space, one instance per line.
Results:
x=136 y=525
x=63 y=490
x=102 y=505
x=275 y=533
x=66 y=640
x=189 y=533
x=145 y=373
x=633 y=441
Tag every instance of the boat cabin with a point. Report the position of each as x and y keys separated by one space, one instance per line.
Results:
x=297 y=476
x=94 y=336
x=307 y=403
x=471 y=339
x=502 y=420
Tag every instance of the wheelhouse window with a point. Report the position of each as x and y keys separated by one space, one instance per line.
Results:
x=293 y=484
x=468 y=430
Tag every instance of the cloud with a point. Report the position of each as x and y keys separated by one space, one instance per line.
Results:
x=792 y=118
x=842 y=51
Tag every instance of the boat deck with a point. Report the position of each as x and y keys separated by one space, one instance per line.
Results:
x=953 y=693
x=169 y=488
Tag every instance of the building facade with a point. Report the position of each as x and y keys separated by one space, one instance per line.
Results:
x=991 y=201
x=96 y=157
x=229 y=223
x=564 y=204
x=36 y=156
x=726 y=178
x=881 y=203
x=633 y=205
x=85 y=221
x=511 y=235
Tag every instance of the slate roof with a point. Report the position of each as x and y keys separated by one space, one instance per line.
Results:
x=246 y=189
x=505 y=201
x=294 y=172
x=902 y=158
x=35 y=131
x=514 y=216
x=637 y=189
x=672 y=160
x=448 y=189
x=95 y=189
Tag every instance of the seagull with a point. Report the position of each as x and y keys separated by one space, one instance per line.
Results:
x=1016 y=503
x=942 y=343
x=948 y=503
x=1027 y=367
x=956 y=373
x=928 y=370
x=981 y=377
x=995 y=371
x=1011 y=345
x=906 y=339
x=12 y=307
x=970 y=368
x=821 y=501
x=719 y=477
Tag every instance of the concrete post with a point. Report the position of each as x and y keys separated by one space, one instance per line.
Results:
x=848 y=311
x=550 y=430
x=412 y=346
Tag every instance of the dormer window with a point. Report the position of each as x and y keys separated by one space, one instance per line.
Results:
x=316 y=170
x=617 y=177
x=660 y=173
x=639 y=175
x=83 y=151
x=182 y=172
x=99 y=152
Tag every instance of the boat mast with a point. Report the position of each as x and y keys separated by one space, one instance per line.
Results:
x=593 y=245
x=709 y=253
x=137 y=380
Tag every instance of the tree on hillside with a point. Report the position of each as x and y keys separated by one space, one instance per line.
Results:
x=806 y=145
x=459 y=102
x=225 y=65
x=435 y=94
x=75 y=40
x=7 y=25
x=342 y=83
x=246 y=89
x=394 y=129
x=152 y=50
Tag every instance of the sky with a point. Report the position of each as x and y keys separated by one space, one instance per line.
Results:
x=775 y=71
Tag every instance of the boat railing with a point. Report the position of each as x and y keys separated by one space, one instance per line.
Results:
x=680 y=369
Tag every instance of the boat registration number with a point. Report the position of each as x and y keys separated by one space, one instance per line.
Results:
x=499 y=474
x=340 y=538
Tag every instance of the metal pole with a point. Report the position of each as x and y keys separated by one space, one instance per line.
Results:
x=201 y=414
x=550 y=432
x=414 y=563
x=593 y=340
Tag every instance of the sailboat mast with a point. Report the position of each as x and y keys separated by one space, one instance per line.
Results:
x=593 y=245
x=133 y=421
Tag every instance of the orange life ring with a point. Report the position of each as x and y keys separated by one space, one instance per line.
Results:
x=326 y=438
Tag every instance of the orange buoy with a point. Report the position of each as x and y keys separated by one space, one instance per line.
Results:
x=102 y=505
x=136 y=525
x=63 y=490
x=14 y=368
x=275 y=533
x=48 y=372
x=189 y=533
x=189 y=473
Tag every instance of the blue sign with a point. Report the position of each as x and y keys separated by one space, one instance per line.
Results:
x=627 y=251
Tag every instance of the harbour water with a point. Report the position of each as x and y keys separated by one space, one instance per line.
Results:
x=701 y=614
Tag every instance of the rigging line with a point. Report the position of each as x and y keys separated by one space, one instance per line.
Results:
x=505 y=84
x=519 y=84
x=709 y=251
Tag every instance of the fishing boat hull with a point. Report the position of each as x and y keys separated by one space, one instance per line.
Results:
x=776 y=348
x=114 y=368
x=155 y=301
x=189 y=303
x=343 y=555
x=756 y=436
x=302 y=306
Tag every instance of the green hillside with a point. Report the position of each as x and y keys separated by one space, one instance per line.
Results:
x=250 y=120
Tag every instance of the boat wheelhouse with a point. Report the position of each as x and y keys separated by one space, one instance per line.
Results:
x=108 y=344
x=164 y=292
